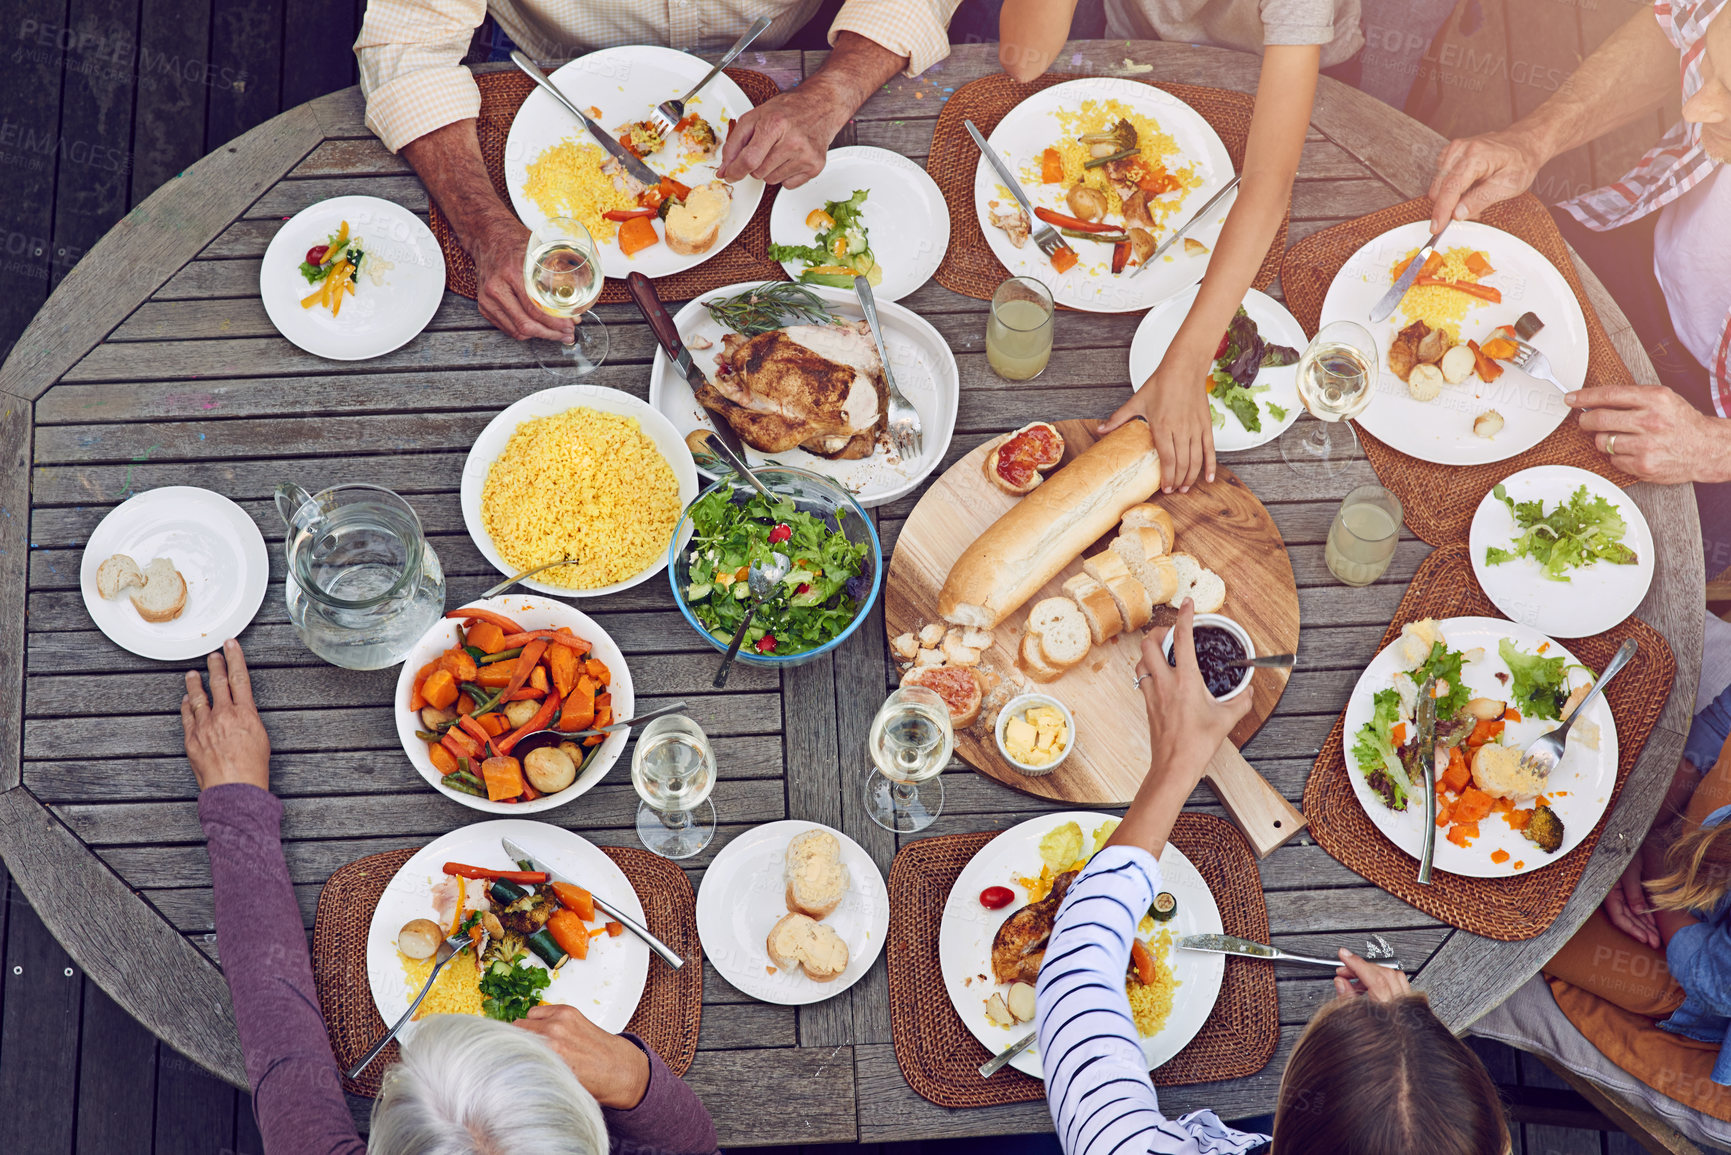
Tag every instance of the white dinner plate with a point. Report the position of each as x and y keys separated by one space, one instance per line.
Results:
x=625 y=84
x=1032 y=126
x=1580 y=785
x=906 y=219
x=920 y=358
x=743 y=896
x=966 y=933
x=493 y=439
x=532 y=613
x=606 y=985
x=212 y=542
x=399 y=287
x=1441 y=431
x=1596 y=597
x=1154 y=335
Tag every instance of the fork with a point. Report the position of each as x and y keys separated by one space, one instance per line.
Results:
x=904 y=419
x=671 y=112
x=1533 y=363
x=449 y=949
x=1044 y=234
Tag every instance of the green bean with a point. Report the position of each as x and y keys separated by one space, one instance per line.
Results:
x=1098 y=161
x=466 y=782
x=428 y=735
x=501 y=656
x=1104 y=238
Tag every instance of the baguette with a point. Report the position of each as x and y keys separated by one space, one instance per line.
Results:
x=1029 y=545
x=1140 y=547
x=1034 y=663
x=815 y=877
x=1154 y=517
x=117 y=574
x=1134 y=604
x=814 y=947
x=163 y=594
x=1064 y=637
x=1098 y=608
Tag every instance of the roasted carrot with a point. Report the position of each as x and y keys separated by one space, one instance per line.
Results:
x=603 y=717
x=627 y=214
x=637 y=234
x=570 y=933
x=460 y=744
x=486 y=637
x=504 y=778
x=525 y=664
x=1143 y=961
x=494 y=724
x=564 y=637
x=475 y=730
x=471 y=614
x=1052 y=166
x=538 y=678
x=578 y=899
x=1484 y=292
x=440 y=689
x=1081 y=226
x=444 y=761
x=540 y=721
x=526 y=694
x=488 y=874
x=495 y=677
x=514 y=641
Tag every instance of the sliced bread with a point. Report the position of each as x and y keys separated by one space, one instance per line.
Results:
x=117 y=574
x=801 y=941
x=1198 y=583
x=1134 y=604
x=1048 y=612
x=1153 y=516
x=1065 y=640
x=1098 y=608
x=164 y=593
x=1034 y=663
x=815 y=876
x=1140 y=546
x=692 y=227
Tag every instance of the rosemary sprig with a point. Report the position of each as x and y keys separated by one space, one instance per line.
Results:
x=769 y=306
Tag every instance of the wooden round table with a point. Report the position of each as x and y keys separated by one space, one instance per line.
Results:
x=154 y=364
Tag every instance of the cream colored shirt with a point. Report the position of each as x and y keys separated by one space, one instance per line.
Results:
x=1247 y=25
x=411 y=51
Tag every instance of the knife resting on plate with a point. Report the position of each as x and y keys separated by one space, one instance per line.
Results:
x=529 y=862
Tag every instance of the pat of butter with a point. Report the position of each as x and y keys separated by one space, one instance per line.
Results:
x=1020 y=739
x=1038 y=737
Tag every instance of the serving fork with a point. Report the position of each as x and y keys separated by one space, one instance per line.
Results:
x=670 y=112
x=904 y=419
x=1044 y=234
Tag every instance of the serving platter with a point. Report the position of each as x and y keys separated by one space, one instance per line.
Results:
x=1221 y=523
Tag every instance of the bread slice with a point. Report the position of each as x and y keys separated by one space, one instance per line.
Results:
x=816 y=879
x=1103 y=567
x=1134 y=604
x=1139 y=546
x=1098 y=608
x=1048 y=612
x=801 y=941
x=164 y=592
x=693 y=226
x=1048 y=439
x=1034 y=663
x=1199 y=583
x=117 y=574
x=1065 y=640
x=959 y=686
x=1154 y=517
x=1161 y=580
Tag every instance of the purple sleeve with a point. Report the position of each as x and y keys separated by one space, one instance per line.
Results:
x=671 y=1119
x=297 y=1095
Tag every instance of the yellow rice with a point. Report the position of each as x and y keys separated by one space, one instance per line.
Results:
x=581 y=484
x=455 y=993
x=1151 y=1005
x=566 y=181
x=1436 y=305
x=1158 y=147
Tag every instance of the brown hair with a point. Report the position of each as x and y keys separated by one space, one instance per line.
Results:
x=1699 y=872
x=1368 y=1078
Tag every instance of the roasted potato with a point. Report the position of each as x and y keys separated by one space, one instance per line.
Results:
x=549 y=769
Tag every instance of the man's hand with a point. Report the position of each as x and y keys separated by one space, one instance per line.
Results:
x=613 y=1069
x=1477 y=172
x=501 y=293
x=1651 y=432
x=225 y=739
x=1356 y=977
x=1626 y=905
x=1174 y=403
x=785 y=139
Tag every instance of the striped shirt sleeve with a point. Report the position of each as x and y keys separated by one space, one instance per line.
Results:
x=1097 y=1083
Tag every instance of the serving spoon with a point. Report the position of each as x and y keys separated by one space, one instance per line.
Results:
x=1546 y=750
x=763 y=580
x=528 y=573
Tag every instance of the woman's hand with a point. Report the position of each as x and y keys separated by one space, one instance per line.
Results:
x=1174 y=403
x=1357 y=977
x=225 y=738
x=613 y=1069
x=1651 y=432
x=1626 y=905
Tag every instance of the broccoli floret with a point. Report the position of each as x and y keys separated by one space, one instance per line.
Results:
x=1545 y=829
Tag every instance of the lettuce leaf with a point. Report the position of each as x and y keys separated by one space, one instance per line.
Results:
x=1375 y=756
x=1540 y=686
x=1578 y=532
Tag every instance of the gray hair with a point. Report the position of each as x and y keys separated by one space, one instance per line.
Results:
x=473 y=1086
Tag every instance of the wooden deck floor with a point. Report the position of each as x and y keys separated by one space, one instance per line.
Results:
x=105 y=100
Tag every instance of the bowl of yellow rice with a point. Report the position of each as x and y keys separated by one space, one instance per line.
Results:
x=580 y=473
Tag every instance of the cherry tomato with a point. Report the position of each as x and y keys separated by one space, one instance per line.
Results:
x=316 y=254
x=780 y=533
x=997 y=897
x=804 y=588
x=766 y=644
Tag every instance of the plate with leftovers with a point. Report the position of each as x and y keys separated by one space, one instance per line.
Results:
x=197 y=574
x=999 y=913
x=1500 y=685
x=1253 y=387
x=1117 y=166
x=869 y=211
x=352 y=277
x=494 y=672
x=540 y=941
x=793 y=369
x=792 y=912
x=1441 y=395
x=553 y=167
x=1561 y=550
x=577 y=472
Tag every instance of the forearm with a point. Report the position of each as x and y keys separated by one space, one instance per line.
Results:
x=1633 y=71
x=856 y=67
x=667 y=1118
x=1031 y=33
x=448 y=161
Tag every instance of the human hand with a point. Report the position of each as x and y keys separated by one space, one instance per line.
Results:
x=225 y=738
x=785 y=139
x=1651 y=432
x=1186 y=725
x=1626 y=905
x=613 y=1069
x=1174 y=403
x=501 y=294
x=1476 y=172
x=1357 y=977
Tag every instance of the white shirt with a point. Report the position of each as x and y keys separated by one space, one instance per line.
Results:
x=1097 y=1084
x=1246 y=25
x=1692 y=259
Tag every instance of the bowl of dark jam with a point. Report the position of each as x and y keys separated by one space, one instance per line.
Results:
x=1219 y=641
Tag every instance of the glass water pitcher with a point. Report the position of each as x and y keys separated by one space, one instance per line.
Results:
x=363 y=584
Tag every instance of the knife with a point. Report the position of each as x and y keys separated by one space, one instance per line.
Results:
x=1044 y=234
x=1381 y=310
x=1002 y=1059
x=1227 y=944
x=722 y=436
x=529 y=862
x=1427 y=762
x=1179 y=235
x=617 y=151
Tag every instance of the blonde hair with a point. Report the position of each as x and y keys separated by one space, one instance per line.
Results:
x=1700 y=870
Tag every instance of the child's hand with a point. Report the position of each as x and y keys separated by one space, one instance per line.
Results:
x=1186 y=725
x=1357 y=977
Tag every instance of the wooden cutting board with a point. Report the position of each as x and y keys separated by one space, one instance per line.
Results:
x=1221 y=524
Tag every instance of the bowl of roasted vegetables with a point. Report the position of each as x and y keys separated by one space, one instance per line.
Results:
x=494 y=703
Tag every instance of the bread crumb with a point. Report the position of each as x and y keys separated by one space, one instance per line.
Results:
x=769 y=970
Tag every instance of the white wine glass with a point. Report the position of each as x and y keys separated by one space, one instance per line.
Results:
x=673 y=770
x=562 y=269
x=911 y=742
x=1337 y=382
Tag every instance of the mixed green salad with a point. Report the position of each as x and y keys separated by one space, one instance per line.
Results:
x=817 y=599
x=510 y=990
x=1578 y=532
x=842 y=249
x=1232 y=383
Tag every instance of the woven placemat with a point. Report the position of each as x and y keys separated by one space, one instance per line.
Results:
x=941 y=1059
x=1523 y=905
x=969 y=266
x=1440 y=499
x=746 y=259
x=667 y=1015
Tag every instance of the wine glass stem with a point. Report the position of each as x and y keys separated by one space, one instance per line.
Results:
x=675 y=819
x=903 y=793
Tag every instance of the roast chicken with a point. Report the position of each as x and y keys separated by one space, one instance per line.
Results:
x=1020 y=944
x=818 y=387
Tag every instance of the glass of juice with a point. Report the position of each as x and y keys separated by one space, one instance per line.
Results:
x=1362 y=539
x=1019 y=330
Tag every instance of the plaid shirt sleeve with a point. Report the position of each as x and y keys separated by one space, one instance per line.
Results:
x=410 y=54
x=916 y=29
